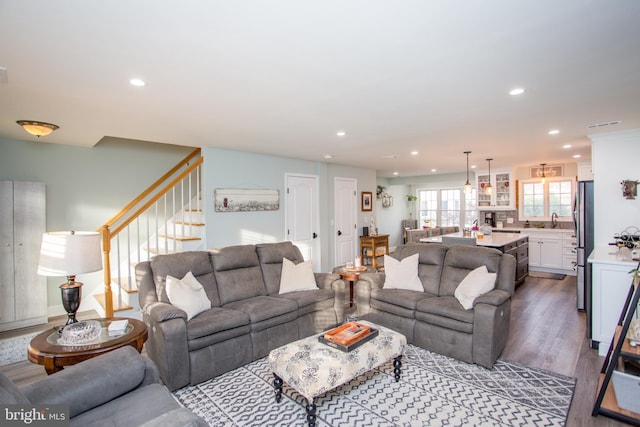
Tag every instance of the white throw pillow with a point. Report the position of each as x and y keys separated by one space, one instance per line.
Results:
x=188 y=294
x=298 y=277
x=402 y=274
x=477 y=282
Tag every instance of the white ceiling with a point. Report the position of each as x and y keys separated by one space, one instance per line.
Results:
x=282 y=77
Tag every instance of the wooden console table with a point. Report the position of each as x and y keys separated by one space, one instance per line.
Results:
x=370 y=248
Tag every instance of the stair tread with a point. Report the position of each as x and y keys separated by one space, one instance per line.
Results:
x=101 y=300
x=180 y=238
x=194 y=224
x=125 y=284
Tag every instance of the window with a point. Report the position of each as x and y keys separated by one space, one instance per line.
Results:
x=541 y=200
x=447 y=207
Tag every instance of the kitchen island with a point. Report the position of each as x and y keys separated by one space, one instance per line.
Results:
x=509 y=243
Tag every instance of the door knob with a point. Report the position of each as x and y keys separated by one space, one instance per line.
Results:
x=315 y=235
x=339 y=233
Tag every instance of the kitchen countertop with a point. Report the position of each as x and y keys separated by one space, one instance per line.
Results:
x=532 y=230
x=493 y=240
x=612 y=255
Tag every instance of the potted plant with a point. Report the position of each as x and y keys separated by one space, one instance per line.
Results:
x=412 y=198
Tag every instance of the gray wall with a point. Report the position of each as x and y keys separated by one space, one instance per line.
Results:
x=236 y=169
x=86 y=186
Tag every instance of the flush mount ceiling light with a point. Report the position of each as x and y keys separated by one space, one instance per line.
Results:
x=37 y=128
x=434 y=170
x=467 y=185
x=488 y=189
x=396 y=173
x=341 y=133
x=137 y=82
x=566 y=146
x=554 y=132
x=328 y=156
x=516 y=91
x=576 y=156
x=414 y=153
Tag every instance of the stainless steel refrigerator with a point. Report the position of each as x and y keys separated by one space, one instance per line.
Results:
x=583 y=221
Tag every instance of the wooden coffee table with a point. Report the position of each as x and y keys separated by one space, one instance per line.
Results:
x=44 y=348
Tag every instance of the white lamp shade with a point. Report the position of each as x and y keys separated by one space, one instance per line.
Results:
x=67 y=253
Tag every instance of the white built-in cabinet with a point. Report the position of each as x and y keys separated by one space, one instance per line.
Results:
x=545 y=250
x=609 y=287
x=552 y=250
x=23 y=293
x=503 y=194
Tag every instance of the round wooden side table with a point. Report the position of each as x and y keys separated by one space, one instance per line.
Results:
x=351 y=275
x=46 y=350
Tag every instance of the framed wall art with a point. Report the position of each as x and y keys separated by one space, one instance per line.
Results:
x=367 y=201
x=241 y=200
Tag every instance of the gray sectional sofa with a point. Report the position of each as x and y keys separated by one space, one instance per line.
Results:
x=119 y=388
x=434 y=319
x=247 y=319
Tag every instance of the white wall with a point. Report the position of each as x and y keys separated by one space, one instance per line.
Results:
x=615 y=157
x=86 y=186
x=236 y=169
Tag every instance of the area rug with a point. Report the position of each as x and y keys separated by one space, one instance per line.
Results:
x=434 y=390
x=545 y=275
x=13 y=350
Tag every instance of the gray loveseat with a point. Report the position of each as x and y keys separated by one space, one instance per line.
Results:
x=248 y=317
x=119 y=388
x=434 y=319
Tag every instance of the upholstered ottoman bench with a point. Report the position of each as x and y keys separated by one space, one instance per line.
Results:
x=313 y=368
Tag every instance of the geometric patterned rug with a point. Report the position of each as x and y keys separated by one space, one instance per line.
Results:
x=433 y=390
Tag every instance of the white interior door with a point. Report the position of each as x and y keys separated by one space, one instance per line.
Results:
x=345 y=190
x=302 y=216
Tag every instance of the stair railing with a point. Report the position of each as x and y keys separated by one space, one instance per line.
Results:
x=141 y=222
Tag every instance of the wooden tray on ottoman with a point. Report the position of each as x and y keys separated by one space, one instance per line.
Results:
x=349 y=336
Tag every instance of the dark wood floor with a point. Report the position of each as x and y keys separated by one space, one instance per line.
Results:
x=547 y=332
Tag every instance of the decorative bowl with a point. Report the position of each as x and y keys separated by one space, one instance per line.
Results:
x=81 y=332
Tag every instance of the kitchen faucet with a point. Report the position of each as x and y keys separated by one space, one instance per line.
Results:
x=554 y=220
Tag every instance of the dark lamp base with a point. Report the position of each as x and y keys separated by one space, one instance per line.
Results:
x=71 y=295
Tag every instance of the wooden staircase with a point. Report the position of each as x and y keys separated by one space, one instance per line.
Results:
x=165 y=218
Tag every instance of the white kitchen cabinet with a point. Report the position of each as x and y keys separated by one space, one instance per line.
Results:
x=23 y=294
x=569 y=252
x=503 y=195
x=545 y=250
x=610 y=281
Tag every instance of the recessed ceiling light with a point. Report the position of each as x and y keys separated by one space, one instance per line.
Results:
x=414 y=153
x=328 y=156
x=566 y=146
x=576 y=156
x=341 y=133
x=137 y=82
x=473 y=166
x=396 y=173
x=554 y=132
x=434 y=170
x=516 y=91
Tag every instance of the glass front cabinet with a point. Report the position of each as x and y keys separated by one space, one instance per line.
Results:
x=503 y=194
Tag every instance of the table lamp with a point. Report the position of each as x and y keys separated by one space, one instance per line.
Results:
x=68 y=253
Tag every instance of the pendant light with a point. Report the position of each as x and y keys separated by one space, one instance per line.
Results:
x=467 y=185
x=544 y=178
x=488 y=189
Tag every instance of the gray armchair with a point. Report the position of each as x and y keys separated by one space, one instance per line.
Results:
x=119 y=388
